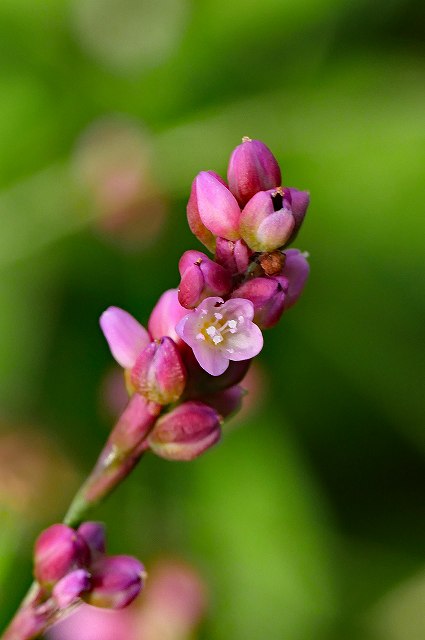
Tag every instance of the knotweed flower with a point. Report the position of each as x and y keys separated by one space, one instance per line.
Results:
x=219 y=331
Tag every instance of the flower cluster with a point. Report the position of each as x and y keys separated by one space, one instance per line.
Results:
x=72 y=565
x=183 y=371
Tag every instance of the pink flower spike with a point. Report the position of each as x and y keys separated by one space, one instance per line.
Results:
x=165 y=315
x=218 y=208
x=218 y=332
x=125 y=335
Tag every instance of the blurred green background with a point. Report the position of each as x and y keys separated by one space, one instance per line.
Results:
x=307 y=522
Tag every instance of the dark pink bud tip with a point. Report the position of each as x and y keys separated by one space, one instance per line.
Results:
x=196 y=225
x=57 y=550
x=94 y=535
x=185 y=432
x=252 y=168
x=116 y=582
x=234 y=256
x=295 y=272
x=201 y=277
x=268 y=297
x=159 y=373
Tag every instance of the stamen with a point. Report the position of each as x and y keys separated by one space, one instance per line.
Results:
x=200 y=336
x=232 y=324
x=219 y=316
x=217 y=339
x=211 y=330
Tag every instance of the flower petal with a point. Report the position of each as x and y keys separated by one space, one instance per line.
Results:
x=125 y=335
x=245 y=343
x=213 y=360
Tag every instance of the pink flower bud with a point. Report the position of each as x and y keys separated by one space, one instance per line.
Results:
x=165 y=315
x=268 y=297
x=159 y=373
x=125 y=335
x=185 y=432
x=116 y=582
x=252 y=168
x=267 y=222
x=233 y=256
x=218 y=208
x=58 y=549
x=132 y=426
x=299 y=204
x=295 y=272
x=94 y=535
x=201 y=278
x=226 y=402
x=196 y=225
x=70 y=587
x=201 y=383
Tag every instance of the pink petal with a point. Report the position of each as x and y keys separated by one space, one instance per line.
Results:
x=165 y=315
x=211 y=359
x=218 y=208
x=125 y=335
x=247 y=343
x=239 y=307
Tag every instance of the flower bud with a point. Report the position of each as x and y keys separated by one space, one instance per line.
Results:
x=201 y=383
x=185 y=432
x=132 y=426
x=94 y=535
x=233 y=256
x=201 y=278
x=252 y=168
x=196 y=225
x=70 y=587
x=57 y=550
x=116 y=581
x=226 y=402
x=165 y=315
x=218 y=208
x=268 y=297
x=299 y=204
x=295 y=274
x=267 y=222
x=159 y=373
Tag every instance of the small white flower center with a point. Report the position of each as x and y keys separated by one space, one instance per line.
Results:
x=215 y=331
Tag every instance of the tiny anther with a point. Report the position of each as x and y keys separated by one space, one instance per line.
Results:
x=246 y=139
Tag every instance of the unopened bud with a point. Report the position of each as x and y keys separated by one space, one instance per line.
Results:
x=227 y=402
x=233 y=256
x=159 y=373
x=185 y=432
x=218 y=208
x=267 y=222
x=252 y=168
x=294 y=274
x=201 y=383
x=201 y=278
x=299 y=204
x=196 y=225
x=94 y=535
x=268 y=297
x=57 y=550
x=116 y=582
x=71 y=587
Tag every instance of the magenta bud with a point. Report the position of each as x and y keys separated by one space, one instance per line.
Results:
x=267 y=222
x=233 y=256
x=218 y=208
x=58 y=549
x=299 y=204
x=227 y=402
x=165 y=315
x=71 y=587
x=201 y=278
x=185 y=432
x=196 y=225
x=94 y=535
x=132 y=427
x=201 y=383
x=116 y=582
x=295 y=272
x=268 y=297
x=159 y=373
x=252 y=168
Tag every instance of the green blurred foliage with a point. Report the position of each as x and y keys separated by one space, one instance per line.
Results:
x=308 y=520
